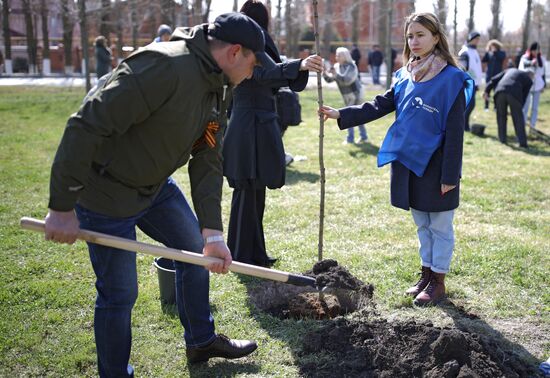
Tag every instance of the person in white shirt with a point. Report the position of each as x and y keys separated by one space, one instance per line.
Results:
x=469 y=59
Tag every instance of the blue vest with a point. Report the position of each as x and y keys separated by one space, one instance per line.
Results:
x=421 y=117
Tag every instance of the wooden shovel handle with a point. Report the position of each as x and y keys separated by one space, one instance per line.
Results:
x=175 y=254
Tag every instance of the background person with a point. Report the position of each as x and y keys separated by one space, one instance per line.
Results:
x=494 y=58
x=103 y=57
x=375 y=60
x=254 y=156
x=163 y=33
x=511 y=89
x=469 y=59
x=346 y=75
x=112 y=170
x=356 y=56
x=425 y=152
x=533 y=59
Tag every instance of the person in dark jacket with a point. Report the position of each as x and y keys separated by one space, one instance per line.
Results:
x=375 y=60
x=356 y=56
x=494 y=58
x=425 y=151
x=112 y=171
x=253 y=152
x=103 y=57
x=511 y=89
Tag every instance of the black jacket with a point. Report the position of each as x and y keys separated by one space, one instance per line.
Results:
x=512 y=81
x=407 y=189
x=253 y=153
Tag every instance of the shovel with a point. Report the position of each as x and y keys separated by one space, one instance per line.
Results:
x=178 y=255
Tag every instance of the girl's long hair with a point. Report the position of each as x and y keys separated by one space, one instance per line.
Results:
x=430 y=22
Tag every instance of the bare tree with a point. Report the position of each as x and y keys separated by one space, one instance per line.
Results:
x=382 y=22
x=46 y=67
x=196 y=12
x=84 y=41
x=206 y=11
x=527 y=25
x=496 y=26
x=7 y=36
x=236 y=5
x=105 y=26
x=119 y=29
x=355 y=12
x=389 y=62
x=278 y=24
x=135 y=24
x=440 y=7
x=455 y=29
x=29 y=31
x=327 y=29
x=68 y=26
x=471 y=24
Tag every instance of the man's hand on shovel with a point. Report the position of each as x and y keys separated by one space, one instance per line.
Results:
x=61 y=226
x=216 y=249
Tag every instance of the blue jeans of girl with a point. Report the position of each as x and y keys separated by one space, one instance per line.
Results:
x=170 y=221
x=436 y=237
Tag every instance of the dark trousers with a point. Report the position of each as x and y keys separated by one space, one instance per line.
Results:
x=469 y=110
x=245 y=236
x=502 y=100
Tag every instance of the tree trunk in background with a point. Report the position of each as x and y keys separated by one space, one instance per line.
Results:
x=206 y=13
x=388 y=53
x=46 y=66
x=7 y=36
x=327 y=29
x=135 y=24
x=527 y=25
x=278 y=25
x=382 y=18
x=355 y=12
x=31 y=40
x=84 y=42
x=167 y=15
x=411 y=7
x=186 y=14
x=68 y=25
x=496 y=27
x=441 y=12
x=235 y=5
x=196 y=12
x=455 y=29
x=119 y=30
x=471 y=24
x=104 y=26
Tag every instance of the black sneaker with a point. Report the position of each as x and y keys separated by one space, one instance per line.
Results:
x=223 y=347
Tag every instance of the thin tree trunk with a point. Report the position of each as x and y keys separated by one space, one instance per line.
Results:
x=279 y=23
x=119 y=31
x=105 y=27
x=206 y=11
x=135 y=25
x=455 y=29
x=441 y=11
x=31 y=40
x=7 y=36
x=389 y=63
x=471 y=24
x=68 y=26
x=355 y=12
x=327 y=29
x=46 y=66
x=84 y=42
x=235 y=5
x=321 y=137
x=495 y=32
x=382 y=15
x=196 y=12
x=527 y=26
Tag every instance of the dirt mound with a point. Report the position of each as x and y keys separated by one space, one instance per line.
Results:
x=362 y=348
x=344 y=294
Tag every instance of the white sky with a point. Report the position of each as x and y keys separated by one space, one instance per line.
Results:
x=512 y=11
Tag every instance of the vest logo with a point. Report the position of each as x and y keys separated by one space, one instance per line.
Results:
x=418 y=103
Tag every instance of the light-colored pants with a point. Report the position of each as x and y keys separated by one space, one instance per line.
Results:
x=436 y=237
x=355 y=98
x=533 y=98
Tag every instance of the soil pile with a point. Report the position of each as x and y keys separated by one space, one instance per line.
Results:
x=343 y=294
x=362 y=348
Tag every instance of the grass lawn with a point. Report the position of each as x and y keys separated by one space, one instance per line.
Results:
x=500 y=270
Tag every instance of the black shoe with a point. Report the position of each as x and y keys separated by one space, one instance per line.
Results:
x=223 y=347
x=271 y=260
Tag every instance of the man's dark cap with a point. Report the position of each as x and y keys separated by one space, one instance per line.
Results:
x=237 y=28
x=473 y=35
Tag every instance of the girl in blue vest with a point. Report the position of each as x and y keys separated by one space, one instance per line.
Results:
x=423 y=145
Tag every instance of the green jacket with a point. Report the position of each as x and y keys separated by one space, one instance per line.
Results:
x=136 y=129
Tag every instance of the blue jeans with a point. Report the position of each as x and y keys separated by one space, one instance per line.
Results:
x=375 y=74
x=533 y=98
x=436 y=236
x=170 y=221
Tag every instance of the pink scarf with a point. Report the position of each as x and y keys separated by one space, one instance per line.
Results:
x=424 y=69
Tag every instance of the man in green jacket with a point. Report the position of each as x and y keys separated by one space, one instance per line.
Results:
x=162 y=107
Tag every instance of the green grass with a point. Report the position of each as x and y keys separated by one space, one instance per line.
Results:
x=499 y=271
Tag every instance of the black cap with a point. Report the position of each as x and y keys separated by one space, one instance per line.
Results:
x=473 y=35
x=237 y=28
